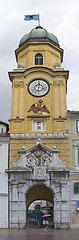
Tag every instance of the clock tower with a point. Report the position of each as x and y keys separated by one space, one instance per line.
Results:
x=39 y=143
x=39 y=86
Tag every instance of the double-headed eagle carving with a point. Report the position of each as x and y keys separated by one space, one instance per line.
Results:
x=38 y=107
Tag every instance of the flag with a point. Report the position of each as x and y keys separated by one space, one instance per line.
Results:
x=31 y=17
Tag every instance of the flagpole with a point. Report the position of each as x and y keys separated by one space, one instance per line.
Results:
x=39 y=20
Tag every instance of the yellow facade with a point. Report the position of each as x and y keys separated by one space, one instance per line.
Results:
x=26 y=54
x=22 y=121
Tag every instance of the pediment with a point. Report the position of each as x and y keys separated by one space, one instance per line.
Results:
x=39 y=156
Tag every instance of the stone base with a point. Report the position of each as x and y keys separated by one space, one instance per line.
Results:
x=74 y=226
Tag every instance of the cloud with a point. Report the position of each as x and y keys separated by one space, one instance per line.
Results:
x=59 y=17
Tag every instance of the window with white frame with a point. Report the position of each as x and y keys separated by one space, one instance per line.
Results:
x=38 y=60
x=77 y=156
x=77 y=126
x=38 y=125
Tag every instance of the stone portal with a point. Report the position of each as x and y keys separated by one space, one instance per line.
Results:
x=39 y=174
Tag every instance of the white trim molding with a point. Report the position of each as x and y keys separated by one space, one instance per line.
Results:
x=34 y=58
x=76 y=145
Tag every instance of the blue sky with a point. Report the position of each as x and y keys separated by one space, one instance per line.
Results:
x=60 y=18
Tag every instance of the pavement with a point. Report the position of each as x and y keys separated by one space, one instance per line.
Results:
x=38 y=234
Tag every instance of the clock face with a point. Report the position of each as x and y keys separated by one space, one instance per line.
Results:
x=38 y=87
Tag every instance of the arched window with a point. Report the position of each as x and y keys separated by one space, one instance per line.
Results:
x=38 y=59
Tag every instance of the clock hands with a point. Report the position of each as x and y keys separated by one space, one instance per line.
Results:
x=40 y=87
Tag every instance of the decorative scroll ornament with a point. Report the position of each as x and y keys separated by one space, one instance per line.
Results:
x=38 y=107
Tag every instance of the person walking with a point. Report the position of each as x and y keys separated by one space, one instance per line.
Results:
x=45 y=224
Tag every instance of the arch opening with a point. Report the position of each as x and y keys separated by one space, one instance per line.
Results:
x=39 y=202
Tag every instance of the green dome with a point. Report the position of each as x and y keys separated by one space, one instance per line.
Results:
x=39 y=34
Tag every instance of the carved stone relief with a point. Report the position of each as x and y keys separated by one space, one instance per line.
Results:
x=38 y=107
x=39 y=156
x=40 y=173
x=19 y=84
x=58 y=83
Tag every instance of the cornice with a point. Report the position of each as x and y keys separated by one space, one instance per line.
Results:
x=53 y=71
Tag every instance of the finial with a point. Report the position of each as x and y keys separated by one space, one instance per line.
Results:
x=39 y=141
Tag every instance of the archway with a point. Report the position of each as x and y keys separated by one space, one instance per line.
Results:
x=39 y=194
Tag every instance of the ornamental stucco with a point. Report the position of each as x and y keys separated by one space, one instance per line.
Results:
x=39 y=155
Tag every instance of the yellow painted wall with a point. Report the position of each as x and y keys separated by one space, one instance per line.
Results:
x=27 y=53
x=55 y=100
